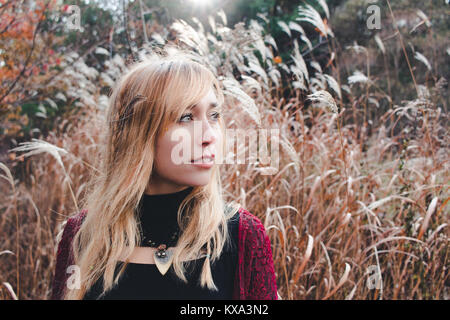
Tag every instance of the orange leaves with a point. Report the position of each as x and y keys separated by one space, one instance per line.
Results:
x=16 y=26
x=7 y=73
x=25 y=56
x=21 y=22
x=277 y=59
x=13 y=123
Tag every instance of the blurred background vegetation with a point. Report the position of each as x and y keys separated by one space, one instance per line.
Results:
x=34 y=42
x=386 y=88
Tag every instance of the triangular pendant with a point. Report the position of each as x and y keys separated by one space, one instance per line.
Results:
x=163 y=261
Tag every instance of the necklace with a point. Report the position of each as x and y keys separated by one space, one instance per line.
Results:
x=157 y=214
x=163 y=258
x=163 y=255
x=147 y=242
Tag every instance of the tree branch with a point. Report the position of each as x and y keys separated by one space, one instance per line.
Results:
x=11 y=87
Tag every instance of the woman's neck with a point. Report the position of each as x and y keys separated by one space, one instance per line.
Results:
x=158 y=216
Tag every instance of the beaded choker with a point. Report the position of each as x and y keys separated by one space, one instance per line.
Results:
x=159 y=226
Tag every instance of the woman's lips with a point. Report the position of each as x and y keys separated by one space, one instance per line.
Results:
x=205 y=158
x=205 y=162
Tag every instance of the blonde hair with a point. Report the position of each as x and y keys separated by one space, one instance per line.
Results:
x=148 y=98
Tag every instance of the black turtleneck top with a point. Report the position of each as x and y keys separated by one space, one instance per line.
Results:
x=158 y=222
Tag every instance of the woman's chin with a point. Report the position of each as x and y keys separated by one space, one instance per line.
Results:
x=198 y=180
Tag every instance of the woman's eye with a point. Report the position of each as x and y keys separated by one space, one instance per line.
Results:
x=184 y=116
x=216 y=115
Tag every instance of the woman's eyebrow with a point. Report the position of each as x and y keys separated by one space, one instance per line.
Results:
x=211 y=105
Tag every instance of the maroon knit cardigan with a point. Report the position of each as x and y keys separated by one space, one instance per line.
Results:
x=255 y=276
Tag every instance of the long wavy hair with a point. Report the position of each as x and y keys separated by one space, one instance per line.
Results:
x=150 y=96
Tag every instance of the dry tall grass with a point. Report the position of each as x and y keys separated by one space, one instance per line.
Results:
x=352 y=199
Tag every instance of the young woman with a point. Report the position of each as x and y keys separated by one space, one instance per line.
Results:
x=155 y=225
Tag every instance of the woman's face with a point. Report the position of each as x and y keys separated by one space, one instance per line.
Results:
x=195 y=135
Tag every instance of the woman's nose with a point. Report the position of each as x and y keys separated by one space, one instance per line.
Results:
x=209 y=134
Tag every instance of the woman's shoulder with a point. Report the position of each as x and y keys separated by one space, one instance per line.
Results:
x=70 y=226
x=256 y=276
x=78 y=218
x=64 y=253
x=75 y=221
x=245 y=228
x=253 y=236
x=249 y=222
